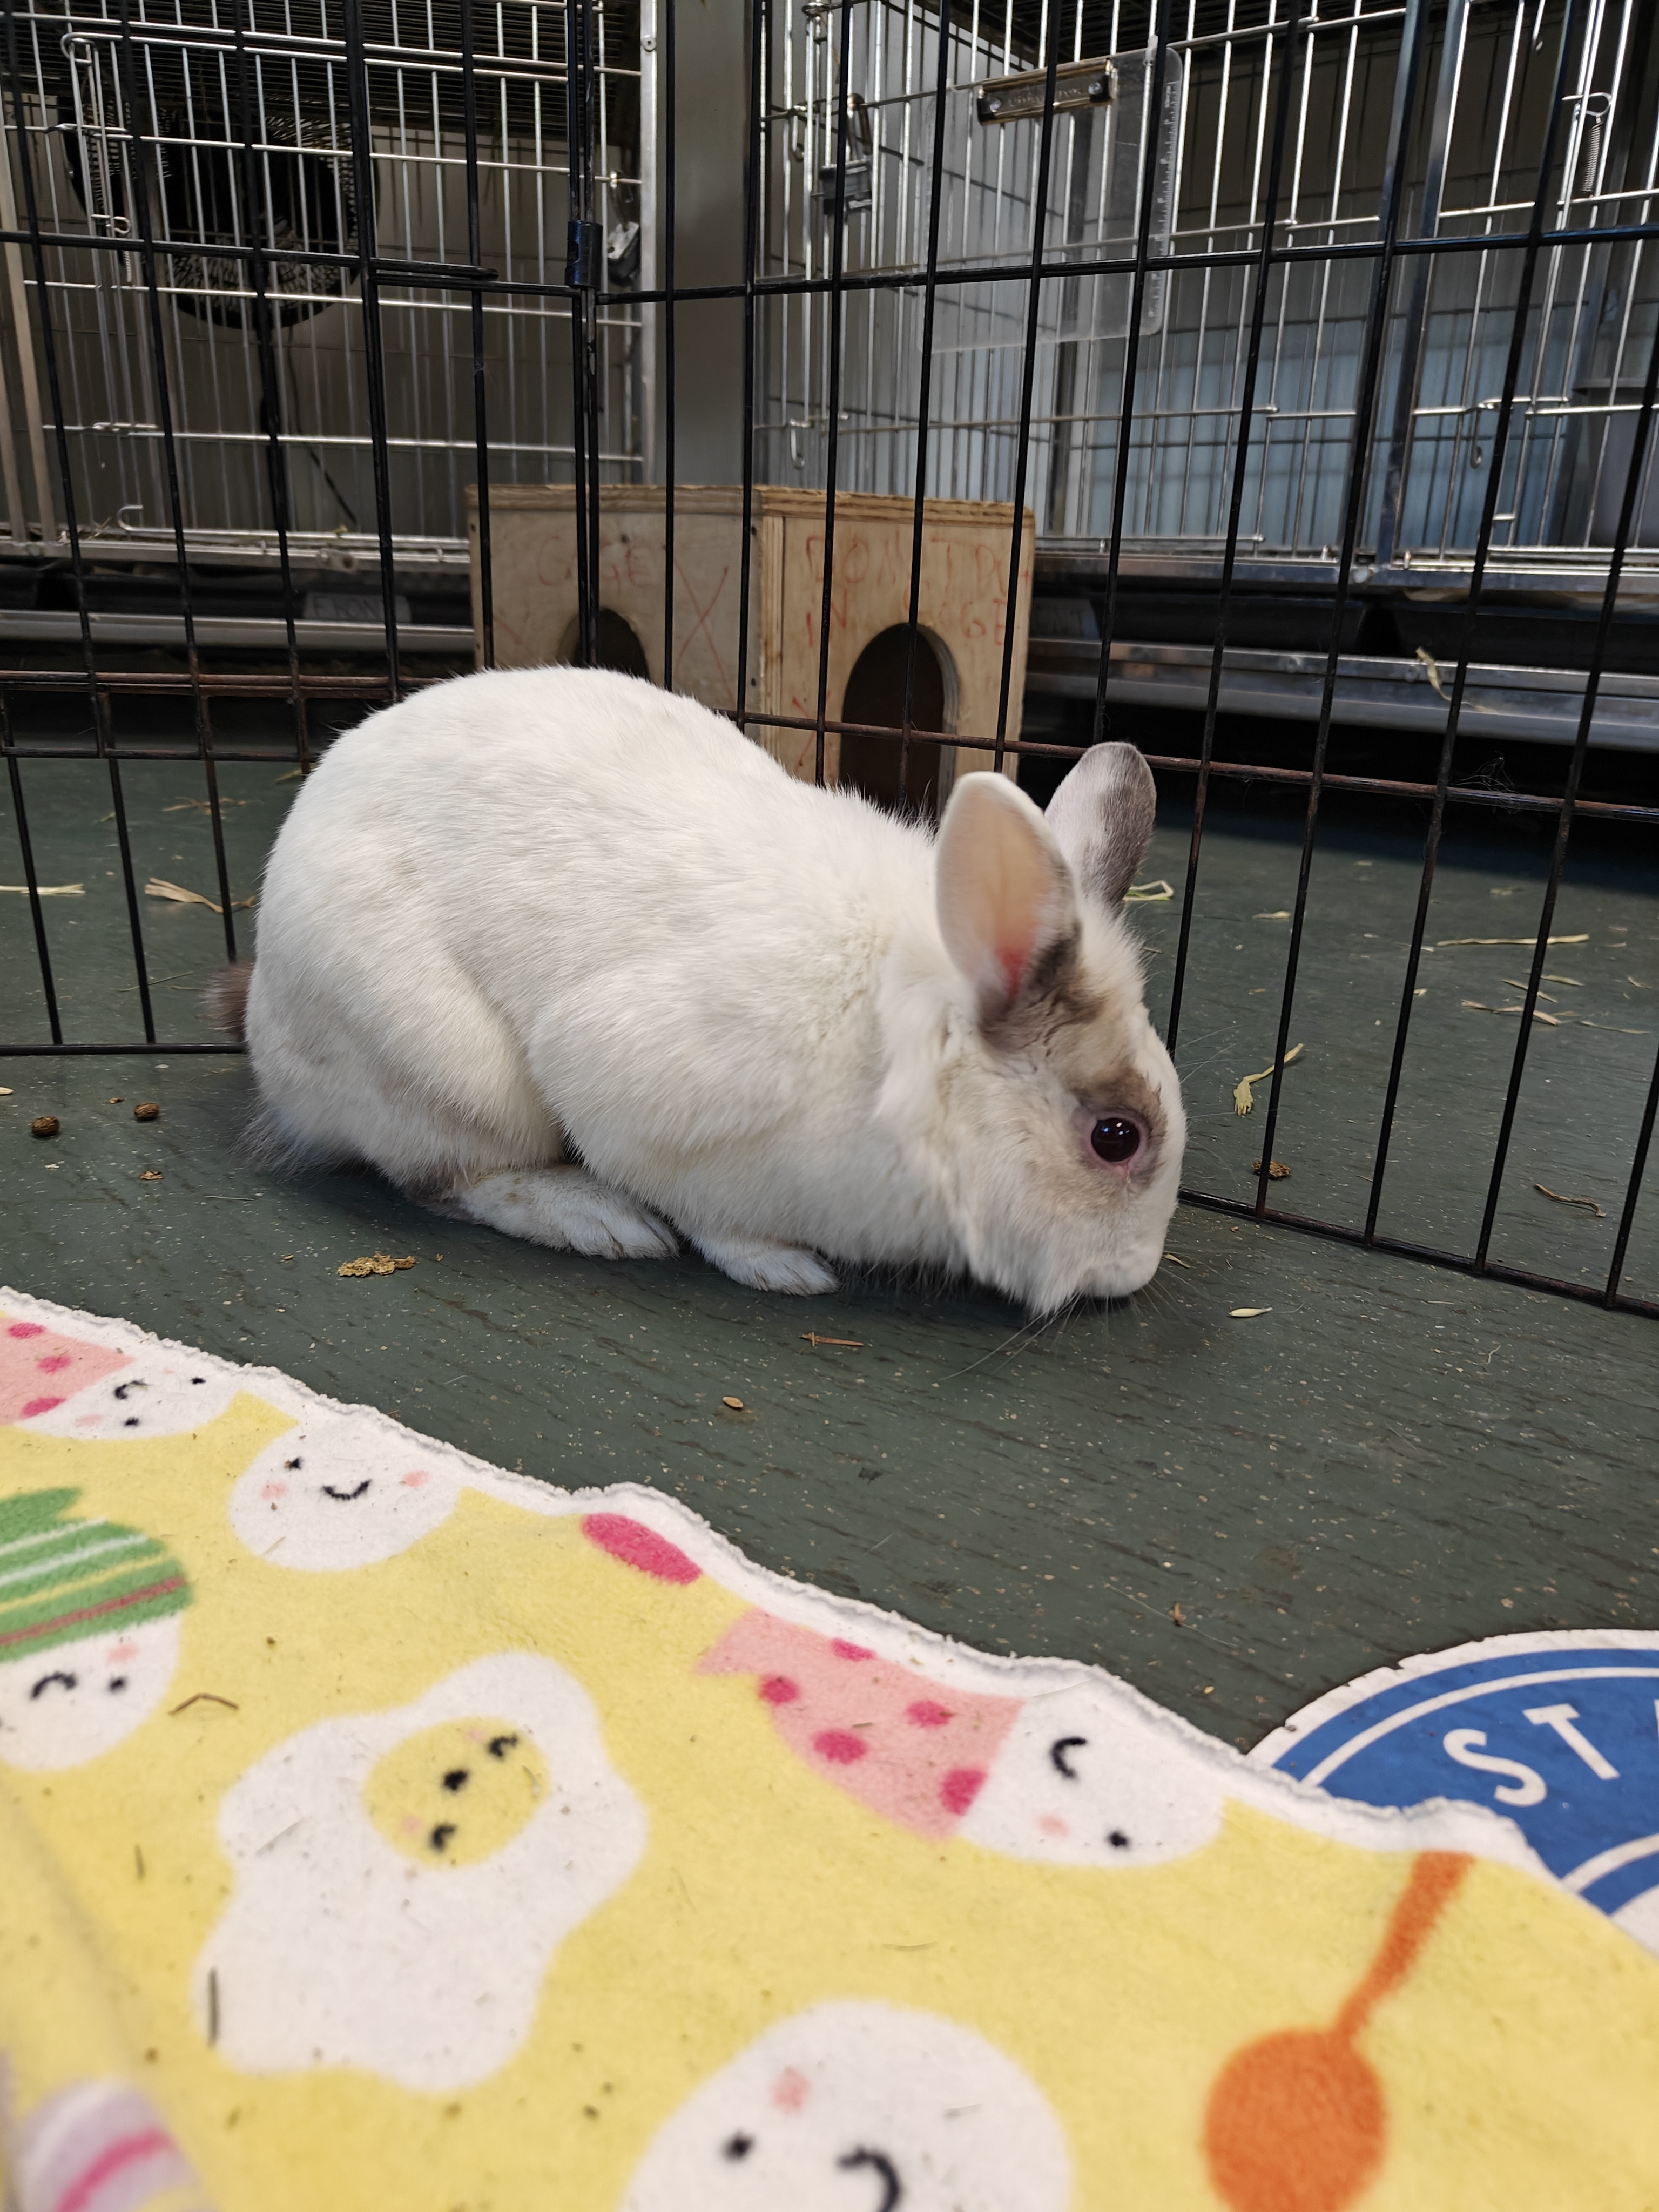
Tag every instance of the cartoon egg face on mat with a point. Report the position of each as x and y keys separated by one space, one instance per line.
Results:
x=161 y=1393
x=859 y=2108
x=403 y=1878
x=343 y=1490
x=1081 y=1780
x=98 y=2147
x=89 y=1631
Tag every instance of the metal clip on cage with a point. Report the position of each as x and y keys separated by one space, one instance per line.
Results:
x=1020 y=98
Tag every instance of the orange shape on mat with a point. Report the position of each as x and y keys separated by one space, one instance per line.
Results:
x=1296 y=2121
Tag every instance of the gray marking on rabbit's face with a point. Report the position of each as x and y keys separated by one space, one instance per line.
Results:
x=1062 y=1205
x=1055 y=995
x=1122 y=1090
x=1067 y=1104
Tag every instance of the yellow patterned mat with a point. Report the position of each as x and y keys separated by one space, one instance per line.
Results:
x=380 y=1830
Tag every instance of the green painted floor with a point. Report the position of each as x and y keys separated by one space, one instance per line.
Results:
x=1391 y=1458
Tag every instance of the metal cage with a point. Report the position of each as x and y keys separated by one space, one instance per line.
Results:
x=1189 y=122
x=1353 y=294
x=319 y=167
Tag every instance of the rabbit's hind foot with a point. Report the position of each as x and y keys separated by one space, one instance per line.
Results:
x=569 y=1210
x=764 y=1267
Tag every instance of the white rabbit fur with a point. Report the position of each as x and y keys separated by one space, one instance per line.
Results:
x=569 y=955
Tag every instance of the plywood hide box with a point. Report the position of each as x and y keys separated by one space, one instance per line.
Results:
x=961 y=609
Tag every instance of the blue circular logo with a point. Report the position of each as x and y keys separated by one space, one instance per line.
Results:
x=1558 y=1731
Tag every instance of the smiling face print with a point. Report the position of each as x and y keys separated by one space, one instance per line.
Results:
x=89 y=1631
x=341 y=1491
x=159 y=1394
x=62 y=1707
x=1073 y=1776
x=403 y=1878
x=1081 y=1780
x=853 y=2107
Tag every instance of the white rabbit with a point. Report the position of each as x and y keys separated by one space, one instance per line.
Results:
x=563 y=953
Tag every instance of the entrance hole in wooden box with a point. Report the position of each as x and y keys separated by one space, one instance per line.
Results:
x=616 y=646
x=875 y=695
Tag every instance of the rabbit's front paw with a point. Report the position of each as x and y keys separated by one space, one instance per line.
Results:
x=768 y=1267
x=570 y=1210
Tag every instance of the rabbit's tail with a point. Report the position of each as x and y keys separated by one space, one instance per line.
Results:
x=225 y=1000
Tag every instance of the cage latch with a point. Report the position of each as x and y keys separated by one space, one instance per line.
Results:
x=584 y=256
x=1020 y=98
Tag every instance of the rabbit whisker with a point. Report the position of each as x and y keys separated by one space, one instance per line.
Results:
x=1025 y=1331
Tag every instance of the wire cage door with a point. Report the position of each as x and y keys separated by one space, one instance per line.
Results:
x=972 y=222
x=1483 y=80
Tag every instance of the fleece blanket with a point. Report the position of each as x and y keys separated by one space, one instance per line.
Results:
x=378 y=1829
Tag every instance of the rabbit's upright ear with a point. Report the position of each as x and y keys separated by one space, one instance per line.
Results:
x=1101 y=820
x=1007 y=906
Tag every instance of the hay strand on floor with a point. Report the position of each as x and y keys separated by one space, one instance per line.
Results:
x=159 y=888
x=1243 y=1097
x=1561 y=1199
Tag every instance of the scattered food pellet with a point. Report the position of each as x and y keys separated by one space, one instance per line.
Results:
x=1175 y=1262
x=1277 y=1170
x=149 y=1111
x=5 y=1091
x=44 y=1125
x=377 y=1263
x=1176 y=1615
x=150 y=1175
x=1248 y=1313
x=736 y=1404
x=118 y=1101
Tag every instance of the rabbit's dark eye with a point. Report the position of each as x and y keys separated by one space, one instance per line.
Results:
x=1115 y=1137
